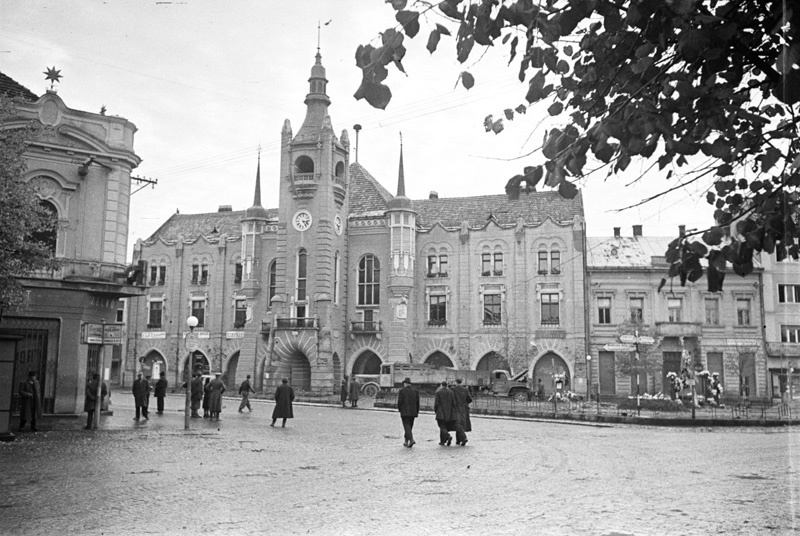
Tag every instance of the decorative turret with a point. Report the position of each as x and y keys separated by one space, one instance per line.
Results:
x=402 y=225
x=317 y=101
x=253 y=224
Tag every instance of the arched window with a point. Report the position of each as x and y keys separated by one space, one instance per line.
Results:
x=273 y=281
x=339 y=173
x=48 y=235
x=369 y=279
x=304 y=164
x=336 y=278
x=300 y=293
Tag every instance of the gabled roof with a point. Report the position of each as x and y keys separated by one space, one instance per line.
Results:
x=193 y=226
x=366 y=194
x=534 y=207
x=626 y=251
x=14 y=90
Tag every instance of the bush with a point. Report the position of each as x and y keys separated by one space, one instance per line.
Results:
x=652 y=404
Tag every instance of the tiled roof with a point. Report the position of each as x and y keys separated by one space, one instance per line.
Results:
x=366 y=193
x=192 y=226
x=13 y=89
x=626 y=251
x=534 y=208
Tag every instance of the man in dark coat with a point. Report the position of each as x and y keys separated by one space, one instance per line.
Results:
x=90 y=399
x=141 y=396
x=244 y=390
x=462 y=400
x=343 y=392
x=284 y=395
x=161 y=392
x=355 y=387
x=197 y=395
x=444 y=405
x=408 y=405
x=215 y=389
x=30 y=400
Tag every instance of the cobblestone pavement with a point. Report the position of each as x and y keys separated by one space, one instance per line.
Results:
x=344 y=471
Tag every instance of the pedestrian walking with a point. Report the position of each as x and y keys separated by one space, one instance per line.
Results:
x=462 y=400
x=161 y=392
x=245 y=389
x=141 y=396
x=408 y=405
x=206 y=394
x=90 y=399
x=343 y=391
x=355 y=387
x=196 y=395
x=30 y=400
x=284 y=395
x=445 y=408
x=215 y=389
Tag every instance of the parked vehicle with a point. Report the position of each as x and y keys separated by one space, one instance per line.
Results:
x=427 y=378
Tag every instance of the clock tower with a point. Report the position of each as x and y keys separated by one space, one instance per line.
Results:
x=311 y=242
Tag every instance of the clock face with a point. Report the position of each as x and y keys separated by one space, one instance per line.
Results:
x=337 y=225
x=302 y=220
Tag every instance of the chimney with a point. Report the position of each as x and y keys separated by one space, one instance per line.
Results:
x=637 y=231
x=433 y=195
x=681 y=230
x=617 y=232
x=225 y=208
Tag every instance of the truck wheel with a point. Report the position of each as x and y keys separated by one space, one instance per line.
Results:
x=519 y=396
x=370 y=390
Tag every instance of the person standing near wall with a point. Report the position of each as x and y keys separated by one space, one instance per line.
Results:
x=30 y=400
x=196 y=395
x=343 y=391
x=161 y=392
x=355 y=387
x=90 y=401
x=141 y=396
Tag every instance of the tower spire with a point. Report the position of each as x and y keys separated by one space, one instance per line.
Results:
x=257 y=197
x=401 y=179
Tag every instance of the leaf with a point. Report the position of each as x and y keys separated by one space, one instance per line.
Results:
x=397 y=4
x=488 y=121
x=770 y=158
x=509 y=113
x=464 y=47
x=521 y=109
x=535 y=88
x=467 y=80
x=409 y=20
x=433 y=41
x=555 y=108
x=442 y=29
x=796 y=163
x=567 y=190
x=377 y=95
x=714 y=236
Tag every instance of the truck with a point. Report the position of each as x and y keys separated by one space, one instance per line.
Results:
x=427 y=378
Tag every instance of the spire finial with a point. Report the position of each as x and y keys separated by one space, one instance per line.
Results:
x=257 y=196
x=401 y=180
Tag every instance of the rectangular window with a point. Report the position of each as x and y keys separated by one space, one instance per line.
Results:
x=789 y=293
x=492 y=309
x=336 y=278
x=162 y=275
x=743 y=311
x=369 y=319
x=195 y=273
x=550 y=310
x=153 y=275
x=237 y=273
x=301 y=276
x=637 y=310
x=199 y=312
x=438 y=310
x=442 y=265
x=542 y=262
x=604 y=310
x=433 y=265
x=204 y=274
x=154 y=316
x=498 y=264
x=486 y=264
x=675 y=309
x=712 y=311
x=790 y=334
x=555 y=262
x=120 y=315
x=240 y=313
x=273 y=281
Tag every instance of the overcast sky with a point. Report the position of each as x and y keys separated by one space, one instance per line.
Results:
x=207 y=82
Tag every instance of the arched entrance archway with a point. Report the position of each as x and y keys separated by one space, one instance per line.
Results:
x=230 y=376
x=439 y=360
x=547 y=365
x=367 y=363
x=337 y=370
x=153 y=364
x=493 y=361
x=201 y=364
x=296 y=369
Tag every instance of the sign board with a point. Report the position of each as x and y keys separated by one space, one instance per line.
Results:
x=633 y=339
x=92 y=334
x=628 y=339
x=154 y=334
x=112 y=334
x=234 y=334
x=550 y=334
x=192 y=342
x=619 y=347
x=646 y=340
x=101 y=333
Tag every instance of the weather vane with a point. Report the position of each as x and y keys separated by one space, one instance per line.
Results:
x=53 y=75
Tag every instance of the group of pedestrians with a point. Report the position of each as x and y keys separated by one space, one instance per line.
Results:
x=451 y=406
x=350 y=391
x=208 y=394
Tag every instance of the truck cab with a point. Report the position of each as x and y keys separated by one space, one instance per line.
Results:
x=504 y=384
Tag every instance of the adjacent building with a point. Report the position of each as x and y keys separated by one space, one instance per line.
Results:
x=80 y=164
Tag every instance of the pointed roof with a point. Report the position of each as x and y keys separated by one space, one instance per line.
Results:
x=367 y=195
x=400 y=202
x=317 y=102
x=14 y=90
x=257 y=211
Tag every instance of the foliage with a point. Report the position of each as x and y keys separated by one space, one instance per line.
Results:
x=709 y=86
x=652 y=404
x=21 y=216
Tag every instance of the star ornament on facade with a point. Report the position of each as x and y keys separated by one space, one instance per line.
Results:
x=52 y=75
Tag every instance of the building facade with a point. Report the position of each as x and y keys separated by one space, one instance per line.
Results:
x=721 y=332
x=343 y=276
x=80 y=164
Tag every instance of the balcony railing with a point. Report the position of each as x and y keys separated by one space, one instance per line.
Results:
x=297 y=323
x=437 y=322
x=365 y=327
x=304 y=177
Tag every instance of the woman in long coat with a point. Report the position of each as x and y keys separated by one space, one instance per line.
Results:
x=355 y=387
x=284 y=395
x=215 y=389
x=343 y=392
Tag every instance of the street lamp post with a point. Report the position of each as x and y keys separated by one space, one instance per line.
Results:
x=191 y=347
x=589 y=377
